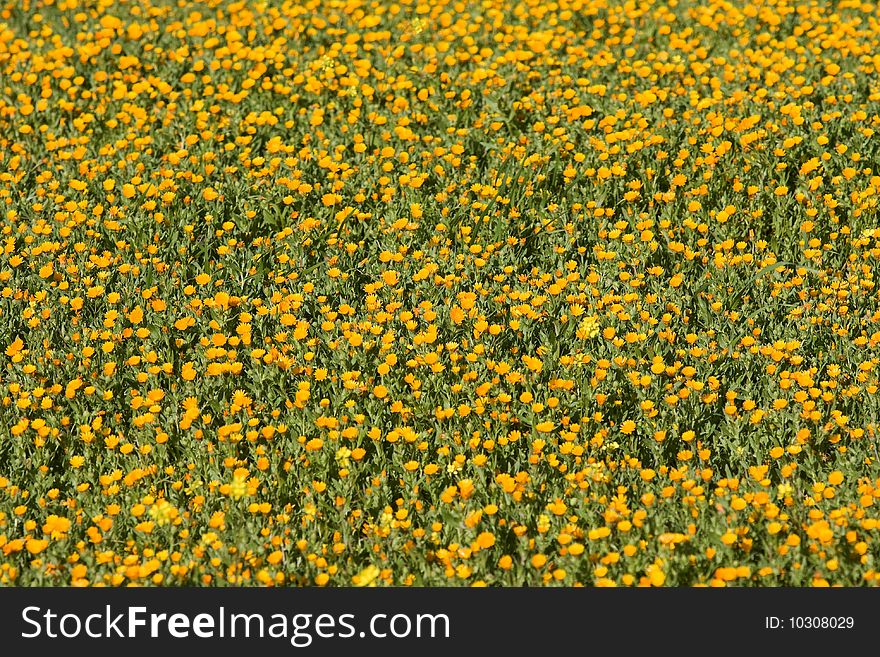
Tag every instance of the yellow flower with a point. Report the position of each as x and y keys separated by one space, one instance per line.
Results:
x=163 y=512
x=342 y=457
x=14 y=347
x=367 y=577
x=588 y=328
x=241 y=399
x=486 y=540
x=56 y=527
x=238 y=488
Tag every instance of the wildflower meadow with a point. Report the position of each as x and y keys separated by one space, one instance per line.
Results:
x=448 y=293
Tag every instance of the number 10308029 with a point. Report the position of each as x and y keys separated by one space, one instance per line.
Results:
x=809 y=623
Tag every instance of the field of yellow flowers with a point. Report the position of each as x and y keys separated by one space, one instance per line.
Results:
x=356 y=292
